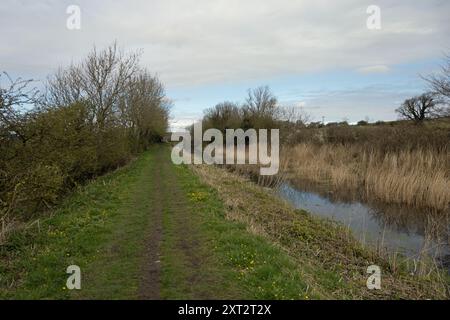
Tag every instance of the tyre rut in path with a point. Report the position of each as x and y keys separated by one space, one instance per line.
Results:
x=189 y=243
x=150 y=287
x=169 y=201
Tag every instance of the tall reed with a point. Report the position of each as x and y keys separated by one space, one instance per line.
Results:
x=417 y=177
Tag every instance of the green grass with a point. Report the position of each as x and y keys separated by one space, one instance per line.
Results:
x=242 y=265
x=204 y=253
x=94 y=229
x=102 y=228
x=329 y=259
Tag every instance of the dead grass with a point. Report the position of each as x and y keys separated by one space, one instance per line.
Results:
x=7 y=225
x=333 y=262
x=416 y=178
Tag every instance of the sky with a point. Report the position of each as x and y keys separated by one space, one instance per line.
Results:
x=316 y=55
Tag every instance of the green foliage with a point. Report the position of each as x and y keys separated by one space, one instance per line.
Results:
x=92 y=118
x=40 y=186
x=101 y=228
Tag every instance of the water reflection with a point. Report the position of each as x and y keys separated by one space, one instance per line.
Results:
x=394 y=228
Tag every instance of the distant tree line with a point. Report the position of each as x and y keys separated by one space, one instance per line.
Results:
x=260 y=110
x=91 y=118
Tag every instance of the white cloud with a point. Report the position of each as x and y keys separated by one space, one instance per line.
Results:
x=374 y=69
x=375 y=102
x=213 y=41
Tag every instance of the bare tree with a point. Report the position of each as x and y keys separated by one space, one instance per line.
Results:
x=260 y=108
x=293 y=115
x=64 y=88
x=419 y=108
x=144 y=107
x=13 y=98
x=261 y=102
x=225 y=115
x=100 y=81
x=440 y=82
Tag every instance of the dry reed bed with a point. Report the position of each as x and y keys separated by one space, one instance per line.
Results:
x=418 y=178
x=320 y=247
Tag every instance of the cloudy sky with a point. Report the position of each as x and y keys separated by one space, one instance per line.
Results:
x=316 y=54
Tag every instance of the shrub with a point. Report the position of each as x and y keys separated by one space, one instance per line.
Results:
x=71 y=135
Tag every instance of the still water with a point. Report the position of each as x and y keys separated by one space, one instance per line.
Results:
x=395 y=229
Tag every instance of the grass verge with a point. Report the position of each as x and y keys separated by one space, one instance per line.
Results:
x=93 y=229
x=222 y=237
x=332 y=263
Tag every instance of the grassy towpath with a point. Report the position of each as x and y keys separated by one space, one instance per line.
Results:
x=153 y=230
x=150 y=230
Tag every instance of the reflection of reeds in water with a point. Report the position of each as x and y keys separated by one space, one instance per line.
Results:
x=429 y=259
x=416 y=178
x=408 y=190
x=396 y=216
x=423 y=221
